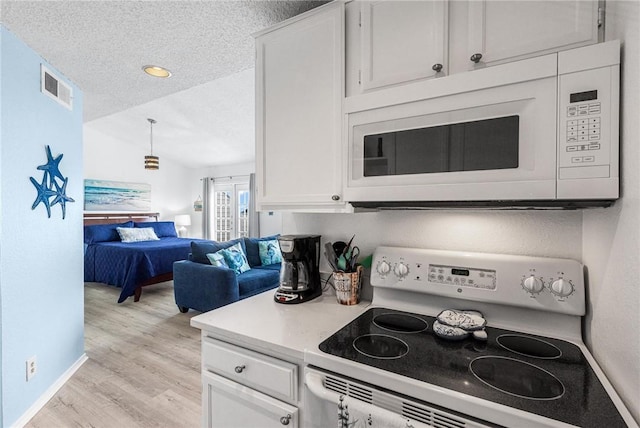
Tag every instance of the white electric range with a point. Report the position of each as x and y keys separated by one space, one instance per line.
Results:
x=387 y=367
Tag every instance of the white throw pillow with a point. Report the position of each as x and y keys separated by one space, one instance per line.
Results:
x=137 y=234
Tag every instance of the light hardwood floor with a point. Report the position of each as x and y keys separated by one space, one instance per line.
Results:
x=143 y=368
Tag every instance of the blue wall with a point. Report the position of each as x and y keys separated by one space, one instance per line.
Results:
x=41 y=278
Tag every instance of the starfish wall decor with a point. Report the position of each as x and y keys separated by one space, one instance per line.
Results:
x=53 y=188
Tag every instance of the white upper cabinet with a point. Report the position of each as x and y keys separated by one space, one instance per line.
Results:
x=299 y=92
x=401 y=41
x=501 y=31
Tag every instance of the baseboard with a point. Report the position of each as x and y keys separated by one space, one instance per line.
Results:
x=49 y=393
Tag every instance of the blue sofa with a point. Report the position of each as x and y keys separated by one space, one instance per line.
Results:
x=201 y=286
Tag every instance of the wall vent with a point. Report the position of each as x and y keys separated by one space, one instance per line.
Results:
x=53 y=87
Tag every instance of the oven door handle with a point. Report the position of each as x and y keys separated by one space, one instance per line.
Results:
x=381 y=416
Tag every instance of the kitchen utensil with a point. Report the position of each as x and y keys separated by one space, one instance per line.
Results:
x=353 y=256
x=343 y=263
x=330 y=252
x=338 y=247
x=349 y=244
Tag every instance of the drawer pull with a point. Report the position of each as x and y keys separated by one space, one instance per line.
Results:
x=285 y=419
x=240 y=369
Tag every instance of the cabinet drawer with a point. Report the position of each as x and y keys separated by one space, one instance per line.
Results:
x=267 y=374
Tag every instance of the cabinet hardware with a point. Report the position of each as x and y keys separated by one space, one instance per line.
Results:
x=335 y=197
x=240 y=369
x=476 y=57
x=285 y=419
x=600 y=16
x=437 y=68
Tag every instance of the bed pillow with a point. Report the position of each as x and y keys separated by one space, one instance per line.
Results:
x=137 y=234
x=235 y=258
x=217 y=259
x=163 y=229
x=252 y=250
x=103 y=232
x=270 y=253
x=200 y=249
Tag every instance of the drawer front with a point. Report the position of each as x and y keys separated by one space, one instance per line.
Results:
x=267 y=374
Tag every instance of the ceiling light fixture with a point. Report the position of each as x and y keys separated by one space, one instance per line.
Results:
x=155 y=71
x=151 y=161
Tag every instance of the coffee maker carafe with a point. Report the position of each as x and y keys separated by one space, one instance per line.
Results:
x=300 y=270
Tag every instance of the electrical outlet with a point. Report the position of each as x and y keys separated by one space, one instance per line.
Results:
x=32 y=367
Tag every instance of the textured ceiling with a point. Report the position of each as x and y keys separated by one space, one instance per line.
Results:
x=102 y=45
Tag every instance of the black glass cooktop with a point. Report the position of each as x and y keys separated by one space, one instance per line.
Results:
x=545 y=376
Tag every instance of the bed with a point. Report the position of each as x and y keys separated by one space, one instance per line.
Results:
x=130 y=265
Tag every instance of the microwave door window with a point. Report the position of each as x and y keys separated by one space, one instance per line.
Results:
x=489 y=144
x=470 y=146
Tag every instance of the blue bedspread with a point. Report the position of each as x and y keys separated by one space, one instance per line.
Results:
x=127 y=265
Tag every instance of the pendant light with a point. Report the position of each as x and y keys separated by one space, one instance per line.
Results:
x=151 y=161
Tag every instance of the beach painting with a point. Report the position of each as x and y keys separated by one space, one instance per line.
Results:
x=104 y=195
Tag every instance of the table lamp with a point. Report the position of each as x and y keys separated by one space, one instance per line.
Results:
x=182 y=221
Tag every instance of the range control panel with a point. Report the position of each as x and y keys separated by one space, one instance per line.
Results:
x=550 y=284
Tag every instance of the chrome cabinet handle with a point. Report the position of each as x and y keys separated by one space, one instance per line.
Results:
x=335 y=197
x=437 y=68
x=285 y=419
x=476 y=57
x=240 y=369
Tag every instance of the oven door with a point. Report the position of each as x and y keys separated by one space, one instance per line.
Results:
x=494 y=143
x=359 y=405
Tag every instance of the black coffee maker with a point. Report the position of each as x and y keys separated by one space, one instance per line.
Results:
x=300 y=270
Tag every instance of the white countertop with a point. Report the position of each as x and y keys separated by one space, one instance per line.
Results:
x=287 y=329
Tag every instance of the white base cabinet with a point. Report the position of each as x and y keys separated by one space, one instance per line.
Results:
x=228 y=404
x=242 y=388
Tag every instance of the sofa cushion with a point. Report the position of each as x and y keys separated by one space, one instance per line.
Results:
x=137 y=234
x=275 y=267
x=257 y=279
x=253 y=252
x=269 y=252
x=161 y=228
x=103 y=232
x=235 y=258
x=200 y=249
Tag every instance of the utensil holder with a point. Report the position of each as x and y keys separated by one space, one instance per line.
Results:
x=347 y=285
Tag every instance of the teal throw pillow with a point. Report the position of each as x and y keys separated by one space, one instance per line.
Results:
x=269 y=252
x=217 y=259
x=235 y=258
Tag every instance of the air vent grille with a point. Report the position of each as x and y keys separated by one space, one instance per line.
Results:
x=53 y=87
x=412 y=410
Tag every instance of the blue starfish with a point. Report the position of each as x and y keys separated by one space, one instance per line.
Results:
x=61 y=197
x=52 y=166
x=44 y=193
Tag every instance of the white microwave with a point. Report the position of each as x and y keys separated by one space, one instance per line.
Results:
x=541 y=132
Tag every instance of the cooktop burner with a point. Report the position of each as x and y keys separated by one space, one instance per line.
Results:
x=529 y=346
x=530 y=381
x=541 y=375
x=380 y=346
x=402 y=323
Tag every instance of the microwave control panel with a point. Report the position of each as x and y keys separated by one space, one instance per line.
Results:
x=585 y=124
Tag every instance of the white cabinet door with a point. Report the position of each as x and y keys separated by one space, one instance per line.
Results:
x=227 y=404
x=401 y=41
x=299 y=91
x=506 y=30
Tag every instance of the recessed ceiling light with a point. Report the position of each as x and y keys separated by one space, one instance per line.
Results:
x=155 y=71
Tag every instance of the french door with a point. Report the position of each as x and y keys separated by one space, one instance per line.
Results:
x=231 y=210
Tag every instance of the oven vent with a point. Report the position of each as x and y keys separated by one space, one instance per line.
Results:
x=430 y=417
x=349 y=389
x=413 y=410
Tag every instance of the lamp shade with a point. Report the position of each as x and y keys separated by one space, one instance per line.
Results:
x=183 y=220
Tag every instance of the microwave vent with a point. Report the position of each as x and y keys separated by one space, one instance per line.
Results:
x=53 y=87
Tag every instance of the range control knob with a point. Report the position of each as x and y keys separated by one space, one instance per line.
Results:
x=383 y=268
x=401 y=270
x=533 y=285
x=562 y=287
